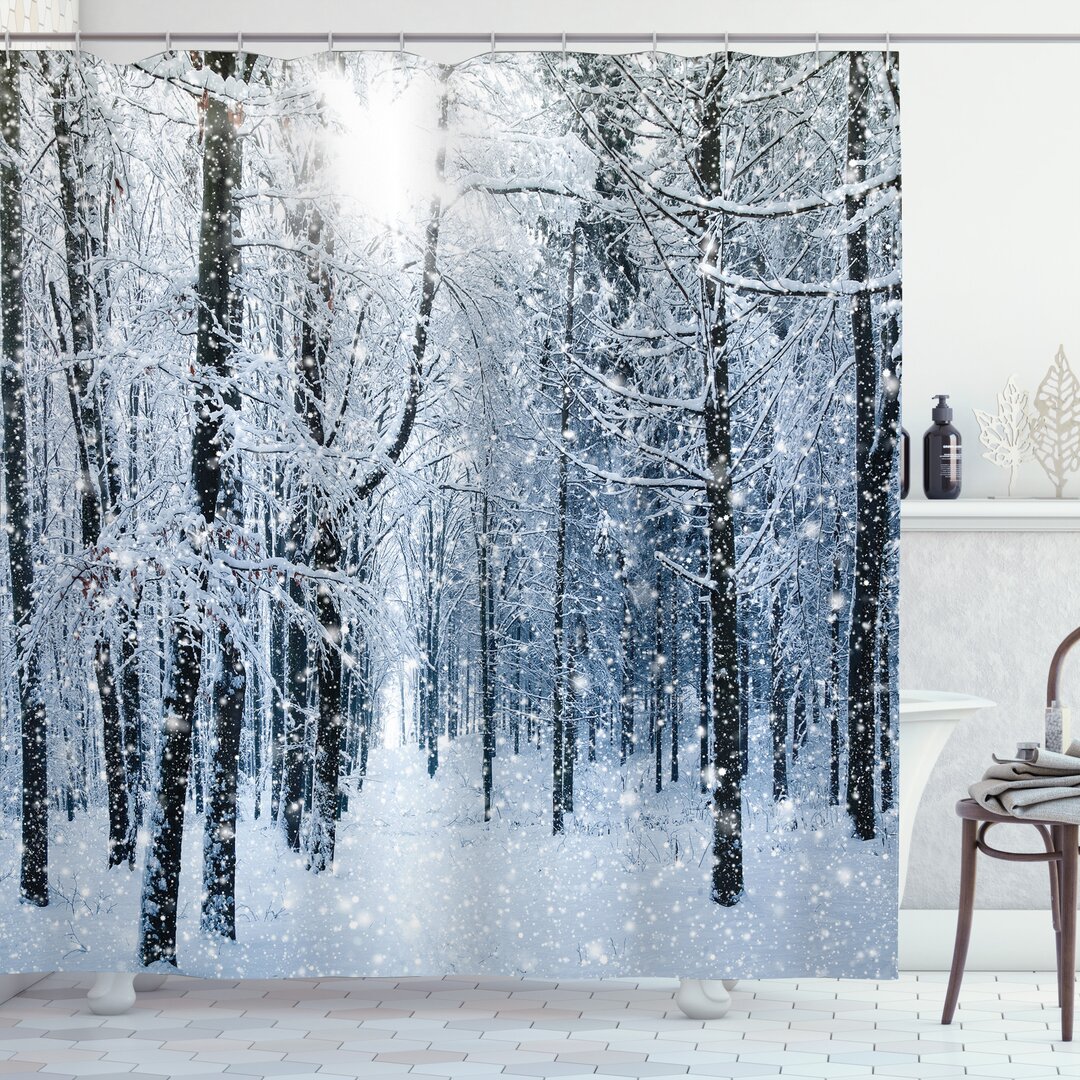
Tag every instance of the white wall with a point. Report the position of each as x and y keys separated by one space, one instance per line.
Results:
x=992 y=278
x=983 y=613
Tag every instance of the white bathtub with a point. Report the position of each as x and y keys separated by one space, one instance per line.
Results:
x=927 y=719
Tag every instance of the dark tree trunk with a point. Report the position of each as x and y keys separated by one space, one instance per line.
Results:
x=832 y=690
x=98 y=482
x=884 y=712
x=574 y=646
x=466 y=697
x=627 y=690
x=724 y=714
x=453 y=688
x=214 y=346
x=219 y=836
x=131 y=717
x=799 y=727
x=591 y=750
x=295 y=709
x=778 y=703
x=367 y=707
x=875 y=440
x=703 y=691
x=744 y=707
x=485 y=610
x=559 y=693
x=518 y=659
x=326 y=776
x=121 y=836
x=660 y=682
x=230 y=687
x=277 y=705
x=673 y=678
x=130 y=673
x=432 y=596
x=18 y=510
x=256 y=764
x=310 y=404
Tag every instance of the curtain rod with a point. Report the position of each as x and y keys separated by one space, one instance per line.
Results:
x=492 y=40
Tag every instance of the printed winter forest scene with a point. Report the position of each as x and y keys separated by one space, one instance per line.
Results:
x=450 y=514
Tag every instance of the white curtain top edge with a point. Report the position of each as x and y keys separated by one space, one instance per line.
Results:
x=126 y=52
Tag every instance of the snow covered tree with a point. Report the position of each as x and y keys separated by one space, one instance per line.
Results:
x=876 y=430
x=18 y=508
x=214 y=397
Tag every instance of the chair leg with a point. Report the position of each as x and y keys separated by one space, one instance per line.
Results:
x=968 y=854
x=1070 y=837
x=1054 y=866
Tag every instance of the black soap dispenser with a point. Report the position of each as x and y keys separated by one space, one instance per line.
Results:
x=941 y=454
x=905 y=463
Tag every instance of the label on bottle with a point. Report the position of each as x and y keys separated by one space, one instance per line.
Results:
x=1057 y=733
x=950 y=462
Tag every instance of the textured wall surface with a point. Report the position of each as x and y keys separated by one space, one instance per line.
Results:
x=982 y=613
x=31 y=16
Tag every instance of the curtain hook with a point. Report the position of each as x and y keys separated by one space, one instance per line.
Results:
x=7 y=47
x=401 y=47
x=817 y=49
x=564 y=42
x=888 y=50
x=239 y=43
x=330 y=41
x=654 y=44
x=727 y=50
x=78 y=46
x=168 y=41
x=491 y=55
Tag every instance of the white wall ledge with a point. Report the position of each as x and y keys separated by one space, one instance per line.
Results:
x=990 y=515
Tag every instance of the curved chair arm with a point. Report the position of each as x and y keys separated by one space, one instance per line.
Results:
x=1055 y=666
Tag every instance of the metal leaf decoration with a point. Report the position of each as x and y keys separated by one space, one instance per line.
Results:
x=1057 y=436
x=1009 y=437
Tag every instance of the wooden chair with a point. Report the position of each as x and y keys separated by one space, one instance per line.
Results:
x=1060 y=854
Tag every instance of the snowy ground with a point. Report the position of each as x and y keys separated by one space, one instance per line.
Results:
x=423 y=887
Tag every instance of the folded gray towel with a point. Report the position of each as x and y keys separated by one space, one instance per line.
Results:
x=1047 y=788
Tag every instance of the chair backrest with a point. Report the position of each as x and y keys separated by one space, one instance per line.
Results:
x=1055 y=666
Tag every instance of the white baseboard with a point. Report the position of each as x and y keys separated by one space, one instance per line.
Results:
x=10 y=985
x=1014 y=940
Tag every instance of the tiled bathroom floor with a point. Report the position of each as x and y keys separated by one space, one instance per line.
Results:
x=1007 y=1027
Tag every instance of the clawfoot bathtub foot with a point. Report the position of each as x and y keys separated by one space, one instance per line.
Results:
x=113 y=993
x=704 y=999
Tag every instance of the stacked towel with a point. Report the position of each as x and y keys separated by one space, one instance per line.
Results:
x=1047 y=788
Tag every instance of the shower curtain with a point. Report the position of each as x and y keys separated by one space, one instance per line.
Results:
x=450 y=514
